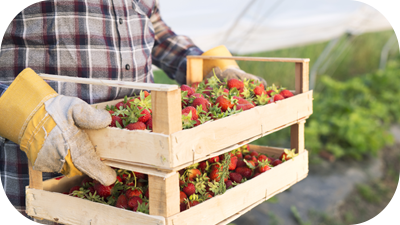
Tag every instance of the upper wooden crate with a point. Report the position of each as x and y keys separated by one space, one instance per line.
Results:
x=169 y=148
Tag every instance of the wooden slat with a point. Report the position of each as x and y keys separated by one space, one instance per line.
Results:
x=194 y=70
x=167 y=111
x=35 y=178
x=135 y=146
x=203 y=140
x=302 y=77
x=111 y=83
x=219 y=208
x=297 y=137
x=65 y=209
x=261 y=59
x=164 y=195
x=140 y=167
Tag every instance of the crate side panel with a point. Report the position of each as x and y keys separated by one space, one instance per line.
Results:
x=136 y=146
x=244 y=195
x=69 y=210
x=198 y=142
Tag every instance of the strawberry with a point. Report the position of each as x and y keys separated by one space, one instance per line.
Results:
x=203 y=166
x=262 y=158
x=149 y=124
x=207 y=91
x=139 y=175
x=136 y=126
x=203 y=102
x=193 y=173
x=254 y=153
x=286 y=93
x=214 y=174
x=133 y=192
x=189 y=189
x=236 y=177
x=115 y=120
x=263 y=166
x=182 y=207
x=278 y=97
x=213 y=159
x=74 y=188
x=120 y=104
x=259 y=91
x=244 y=171
x=189 y=90
x=182 y=196
x=195 y=85
x=87 y=181
x=224 y=103
x=276 y=162
x=235 y=83
x=134 y=202
x=287 y=154
x=244 y=107
x=228 y=184
x=145 y=115
x=193 y=203
x=233 y=163
x=190 y=109
x=102 y=191
x=239 y=154
x=248 y=157
x=146 y=194
x=122 y=202
x=240 y=163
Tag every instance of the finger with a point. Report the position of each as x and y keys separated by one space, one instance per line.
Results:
x=87 y=161
x=86 y=116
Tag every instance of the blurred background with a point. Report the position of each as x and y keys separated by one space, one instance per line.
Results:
x=353 y=136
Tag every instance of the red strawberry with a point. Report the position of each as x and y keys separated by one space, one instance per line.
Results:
x=182 y=207
x=182 y=197
x=276 y=162
x=240 y=163
x=193 y=203
x=114 y=120
x=195 y=85
x=286 y=93
x=224 y=103
x=214 y=174
x=86 y=181
x=262 y=158
x=278 y=97
x=207 y=91
x=133 y=192
x=147 y=194
x=102 y=191
x=259 y=91
x=203 y=166
x=120 y=104
x=228 y=184
x=244 y=107
x=213 y=159
x=146 y=115
x=254 y=153
x=189 y=189
x=233 y=163
x=74 y=188
x=236 y=177
x=248 y=157
x=288 y=154
x=239 y=154
x=263 y=166
x=122 y=202
x=193 y=173
x=134 y=202
x=235 y=83
x=149 y=124
x=140 y=175
x=190 y=109
x=111 y=112
x=189 y=90
x=201 y=101
x=244 y=171
x=136 y=126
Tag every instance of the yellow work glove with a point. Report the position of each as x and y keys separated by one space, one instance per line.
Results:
x=47 y=128
x=225 y=68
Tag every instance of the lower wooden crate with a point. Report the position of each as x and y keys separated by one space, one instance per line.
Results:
x=50 y=204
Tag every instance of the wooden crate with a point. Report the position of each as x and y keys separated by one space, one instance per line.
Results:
x=50 y=204
x=169 y=148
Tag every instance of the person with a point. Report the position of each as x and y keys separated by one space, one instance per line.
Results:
x=115 y=40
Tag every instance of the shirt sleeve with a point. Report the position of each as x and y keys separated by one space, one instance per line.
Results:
x=3 y=89
x=170 y=50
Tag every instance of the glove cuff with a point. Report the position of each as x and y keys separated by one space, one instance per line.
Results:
x=221 y=50
x=20 y=102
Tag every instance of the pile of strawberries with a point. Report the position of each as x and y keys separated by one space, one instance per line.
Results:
x=130 y=191
x=214 y=176
x=204 y=101
x=198 y=182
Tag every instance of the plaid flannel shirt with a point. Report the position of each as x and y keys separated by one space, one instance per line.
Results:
x=102 y=39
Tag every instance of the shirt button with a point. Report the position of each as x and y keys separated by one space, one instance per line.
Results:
x=127 y=66
x=120 y=21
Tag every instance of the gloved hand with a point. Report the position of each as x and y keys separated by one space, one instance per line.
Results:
x=47 y=128
x=225 y=68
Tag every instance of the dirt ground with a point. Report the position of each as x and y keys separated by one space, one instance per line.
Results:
x=368 y=200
